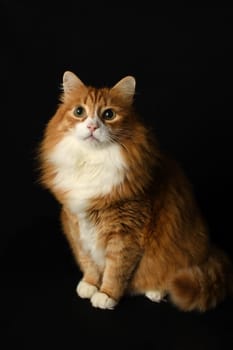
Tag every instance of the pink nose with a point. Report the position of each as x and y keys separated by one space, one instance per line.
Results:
x=92 y=127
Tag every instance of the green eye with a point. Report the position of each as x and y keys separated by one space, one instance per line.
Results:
x=108 y=114
x=79 y=111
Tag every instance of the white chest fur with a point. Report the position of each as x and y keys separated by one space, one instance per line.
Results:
x=85 y=173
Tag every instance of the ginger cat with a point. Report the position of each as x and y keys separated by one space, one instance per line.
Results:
x=127 y=210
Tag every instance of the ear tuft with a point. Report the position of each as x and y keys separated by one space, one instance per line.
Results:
x=71 y=82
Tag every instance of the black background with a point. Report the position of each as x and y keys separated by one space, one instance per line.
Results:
x=182 y=61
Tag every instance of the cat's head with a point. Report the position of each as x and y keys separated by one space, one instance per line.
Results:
x=96 y=116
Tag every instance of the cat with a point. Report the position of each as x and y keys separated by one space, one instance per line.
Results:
x=128 y=210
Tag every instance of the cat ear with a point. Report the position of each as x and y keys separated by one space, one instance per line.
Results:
x=126 y=87
x=71 y=82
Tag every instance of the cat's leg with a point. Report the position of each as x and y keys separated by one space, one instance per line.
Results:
x=90 y=282
x=155 y=295
x=145 y=280
x=122 y=256
x=85 y=290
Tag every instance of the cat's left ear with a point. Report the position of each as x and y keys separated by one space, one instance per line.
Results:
x=71 y=82
x=126 y=88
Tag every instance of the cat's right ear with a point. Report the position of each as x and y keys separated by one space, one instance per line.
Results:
x=71 y=82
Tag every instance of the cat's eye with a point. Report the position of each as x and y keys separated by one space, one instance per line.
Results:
x=79 y=111
x=108 y=114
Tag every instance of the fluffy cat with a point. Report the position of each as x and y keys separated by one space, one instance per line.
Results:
x=127 y=210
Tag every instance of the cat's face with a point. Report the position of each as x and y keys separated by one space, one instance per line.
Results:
x=96 y=117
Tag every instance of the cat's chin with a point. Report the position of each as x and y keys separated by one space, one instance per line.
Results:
x=93 y=141
x=91 y=138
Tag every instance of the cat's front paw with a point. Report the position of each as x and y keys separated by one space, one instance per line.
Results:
x=103 y=301
x=86 y=290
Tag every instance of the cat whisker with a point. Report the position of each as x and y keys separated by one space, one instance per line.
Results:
x=117 y=139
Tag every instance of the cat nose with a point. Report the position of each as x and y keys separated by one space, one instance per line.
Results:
x=92 y=127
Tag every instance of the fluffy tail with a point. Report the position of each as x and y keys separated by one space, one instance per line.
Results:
x=203 y=287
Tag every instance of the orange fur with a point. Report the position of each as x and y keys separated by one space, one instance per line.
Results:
x=148 y=228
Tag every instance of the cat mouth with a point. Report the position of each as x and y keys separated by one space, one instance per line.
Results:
x=91 y=138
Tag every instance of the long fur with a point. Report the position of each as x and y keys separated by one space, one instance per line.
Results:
x=128 y=211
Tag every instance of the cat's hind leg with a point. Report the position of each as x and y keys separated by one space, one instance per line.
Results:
x=155 y=295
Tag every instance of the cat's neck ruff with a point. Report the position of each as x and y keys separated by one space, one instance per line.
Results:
x=84 y=172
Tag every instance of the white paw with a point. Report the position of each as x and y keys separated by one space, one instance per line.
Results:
x=85 y=290
x=154 y=295
x=103 y=301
